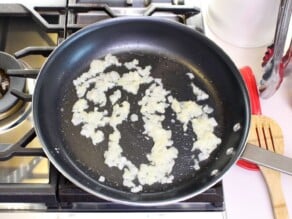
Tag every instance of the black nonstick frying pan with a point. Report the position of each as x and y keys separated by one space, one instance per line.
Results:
x=172 y=50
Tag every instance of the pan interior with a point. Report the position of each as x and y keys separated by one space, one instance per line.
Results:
x=135 y=144
x=83 y=163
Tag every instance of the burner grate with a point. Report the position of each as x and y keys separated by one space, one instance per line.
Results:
x=19 y=148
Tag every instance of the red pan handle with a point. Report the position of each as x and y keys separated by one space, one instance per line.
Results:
x=253 y=93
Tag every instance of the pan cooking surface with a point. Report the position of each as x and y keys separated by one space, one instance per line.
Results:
x=135 y=144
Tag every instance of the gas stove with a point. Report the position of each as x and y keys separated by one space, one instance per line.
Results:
x=29 y=32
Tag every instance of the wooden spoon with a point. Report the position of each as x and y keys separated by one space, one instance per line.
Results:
x=267 y=134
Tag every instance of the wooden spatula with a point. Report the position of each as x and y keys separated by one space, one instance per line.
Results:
x=267 y=134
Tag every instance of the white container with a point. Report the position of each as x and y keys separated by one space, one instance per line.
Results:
x=243 y=23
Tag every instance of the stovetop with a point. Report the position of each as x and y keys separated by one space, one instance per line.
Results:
x=29 y=32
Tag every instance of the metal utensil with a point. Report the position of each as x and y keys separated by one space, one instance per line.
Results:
x=267 y=158
x=273 y=68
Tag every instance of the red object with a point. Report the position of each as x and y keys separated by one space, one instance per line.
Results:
x=284 y=61
x=253 y=93
x=268 y=55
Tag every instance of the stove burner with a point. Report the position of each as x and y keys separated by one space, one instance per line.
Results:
x=7 y=100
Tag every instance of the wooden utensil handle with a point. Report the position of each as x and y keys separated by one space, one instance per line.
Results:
x=273 y=181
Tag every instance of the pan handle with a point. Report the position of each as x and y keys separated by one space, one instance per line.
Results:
x=267 y=158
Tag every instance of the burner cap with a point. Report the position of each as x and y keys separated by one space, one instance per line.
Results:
x=9 y=62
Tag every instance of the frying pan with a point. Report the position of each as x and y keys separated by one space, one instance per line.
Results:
x=172 y=50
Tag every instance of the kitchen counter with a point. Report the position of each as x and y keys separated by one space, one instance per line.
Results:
x=245 y=191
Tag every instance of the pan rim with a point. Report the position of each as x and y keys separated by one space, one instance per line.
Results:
x=210 y=44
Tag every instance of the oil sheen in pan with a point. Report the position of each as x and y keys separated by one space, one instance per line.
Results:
x=135 y=144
